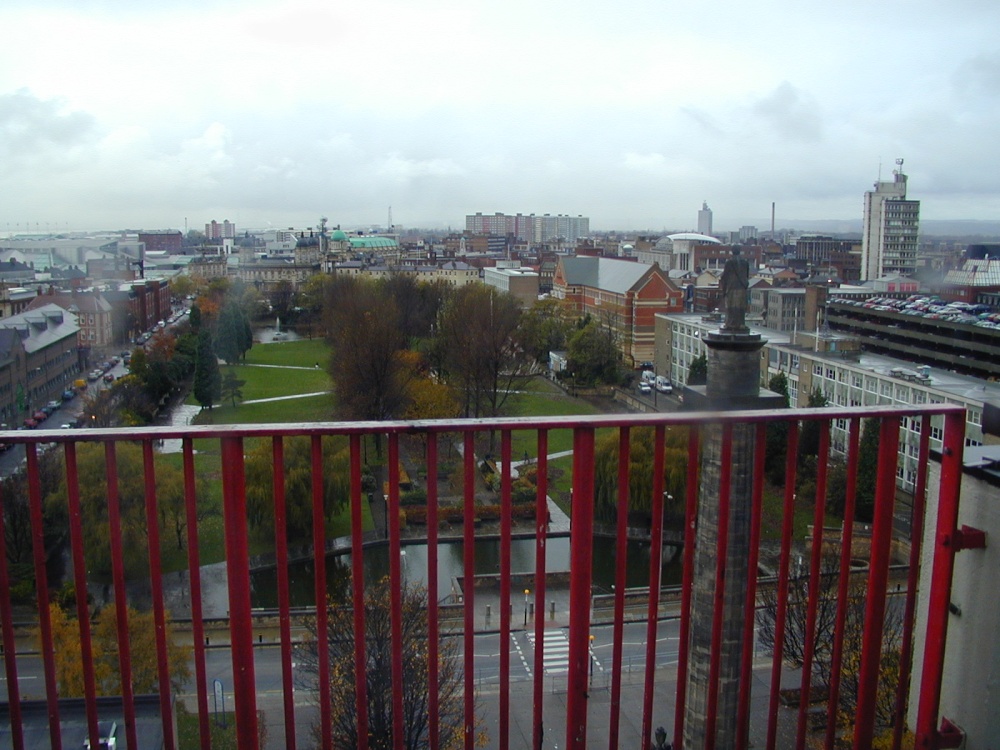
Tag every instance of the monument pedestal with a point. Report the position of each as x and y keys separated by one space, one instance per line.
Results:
x=733 y=384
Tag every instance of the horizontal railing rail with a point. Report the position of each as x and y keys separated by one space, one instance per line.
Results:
x=612 y=459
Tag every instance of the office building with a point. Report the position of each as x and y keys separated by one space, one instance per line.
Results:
x=530 y=227
x=705 y=219
x=889 y=231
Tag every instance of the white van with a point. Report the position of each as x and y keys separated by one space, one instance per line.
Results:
x=663 y=384
x=648 y=376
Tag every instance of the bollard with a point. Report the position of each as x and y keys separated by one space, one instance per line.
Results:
x=260 y=638
x=552 y=610
x=206 y=640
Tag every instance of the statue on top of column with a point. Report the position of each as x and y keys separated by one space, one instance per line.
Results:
x=735 y=285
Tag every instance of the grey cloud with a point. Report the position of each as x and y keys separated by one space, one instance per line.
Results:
x=29 y=124
x=979 y=76
x=790 y=113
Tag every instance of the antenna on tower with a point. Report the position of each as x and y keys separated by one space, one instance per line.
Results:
x=899 y=167
x=389 y=221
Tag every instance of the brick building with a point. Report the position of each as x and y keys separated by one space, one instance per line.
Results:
x=625 y=294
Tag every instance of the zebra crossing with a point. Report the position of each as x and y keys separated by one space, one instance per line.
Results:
x=555 y=652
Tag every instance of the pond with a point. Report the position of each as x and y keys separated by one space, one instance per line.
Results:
x=451 y=565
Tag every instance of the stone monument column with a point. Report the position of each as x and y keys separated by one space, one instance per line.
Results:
x=733 y=383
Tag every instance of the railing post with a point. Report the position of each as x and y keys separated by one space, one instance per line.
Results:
x=878 y=577
x=581 y=563
x=940 y=591
x=42 y=592
x=541 y=532
x=238 y=573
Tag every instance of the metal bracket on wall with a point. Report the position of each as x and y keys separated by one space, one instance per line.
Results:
x=949 y=735
x=968 y=537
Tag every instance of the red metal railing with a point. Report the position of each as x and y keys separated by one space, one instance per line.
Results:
x=579 y=713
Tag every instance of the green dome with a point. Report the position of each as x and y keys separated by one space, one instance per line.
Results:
x=338 y=235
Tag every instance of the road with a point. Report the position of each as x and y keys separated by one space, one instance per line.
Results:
x=520 y=647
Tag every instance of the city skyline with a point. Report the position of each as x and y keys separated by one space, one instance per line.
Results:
x=146 y=115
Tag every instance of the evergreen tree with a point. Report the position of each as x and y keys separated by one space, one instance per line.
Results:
x=233 y=335
x=194 y=318
x=777 y=436
x=698 y=372
x=594 y=356
x=207 y=378
x=232 y=387
x=867 y=471
x=809 y=437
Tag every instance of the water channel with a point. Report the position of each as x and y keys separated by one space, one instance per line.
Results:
x=451 y=566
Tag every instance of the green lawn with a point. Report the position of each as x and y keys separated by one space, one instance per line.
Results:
x=542 y=402
x=304 y=353
x=272 y=382
x=306 y=409
x=773 y=512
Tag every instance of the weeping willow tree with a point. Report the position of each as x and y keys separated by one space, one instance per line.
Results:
x=640 y=471
x=297 y=471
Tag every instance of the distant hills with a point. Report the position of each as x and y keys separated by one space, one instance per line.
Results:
x=928 y=227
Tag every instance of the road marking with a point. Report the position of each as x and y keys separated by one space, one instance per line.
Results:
x=524 y=660
x=555 y=652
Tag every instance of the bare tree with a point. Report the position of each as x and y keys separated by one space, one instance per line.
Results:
x=482 y=358
x=378 y=673
x=363 y=328
x=796 y=634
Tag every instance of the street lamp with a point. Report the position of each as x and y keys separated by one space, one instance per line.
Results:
x=592 y=660
x=526 y=592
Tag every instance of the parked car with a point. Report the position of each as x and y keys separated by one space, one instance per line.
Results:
x=109 y=378
x=39 y=416
x=30 y=423
x=645 y=388
x=68 y=394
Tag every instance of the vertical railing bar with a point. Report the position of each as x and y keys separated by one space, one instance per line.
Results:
x=814 y=580
x=320 y=592
x=788 y=513
x=395 y=593
x=42 y=591
x=238 y=576
x=358 y=594
x=468 y=589
x=581 y=565
x=843 y=582
x=878 y=579
x=750 y=604
x=541 y=537
x=913 y=575
x=121 y=602
x=156 y=588
x=80 y=583
x=655 y=571
x=284 y=599
x=505 y=587
x=194 y=576
x=684 y=635
x=9 y=645
x=718 y=605
x=621 y=551
x=433 y=680
x=940 y=588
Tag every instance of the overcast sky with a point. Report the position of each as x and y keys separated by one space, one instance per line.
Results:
x=144 y=113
